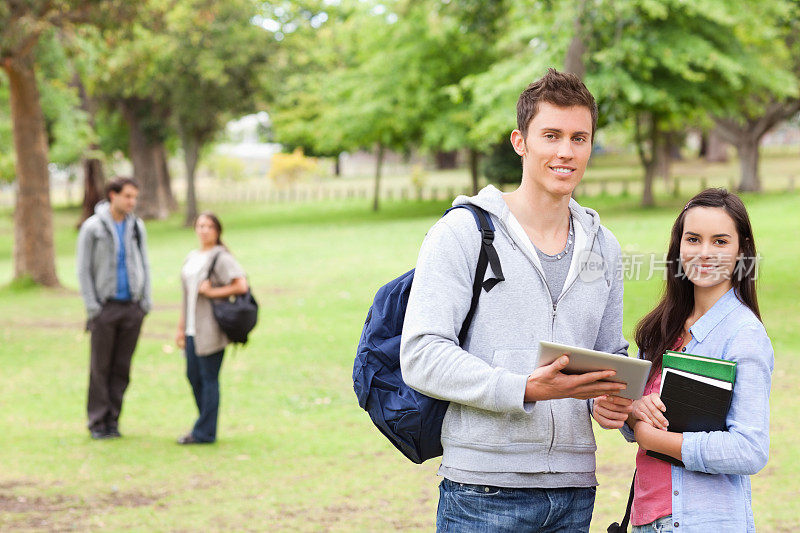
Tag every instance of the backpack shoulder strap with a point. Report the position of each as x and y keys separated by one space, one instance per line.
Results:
x=488 y=257
x=137 y=233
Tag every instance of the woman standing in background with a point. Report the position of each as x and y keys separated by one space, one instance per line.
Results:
x=208 y=272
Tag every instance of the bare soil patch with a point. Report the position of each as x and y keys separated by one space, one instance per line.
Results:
x=57 y=512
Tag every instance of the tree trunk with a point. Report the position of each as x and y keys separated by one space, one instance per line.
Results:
x=648 y=198
x=152 y=203
x=747 y=135
x=93 y=180
x=34 y=252
x=650 y=138
x=663 y=155
x=164 y=179
x=474 y=159
x=748 y=164
x=337 y=166
x=446 y=160
x=573 y=63
x=716 y=148
x=93 y=175
x=191 y=153
x=378 y=167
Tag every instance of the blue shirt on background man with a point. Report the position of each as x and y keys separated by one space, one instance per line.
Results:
x=123 y=288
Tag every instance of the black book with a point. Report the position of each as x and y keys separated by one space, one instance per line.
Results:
x=694 y=404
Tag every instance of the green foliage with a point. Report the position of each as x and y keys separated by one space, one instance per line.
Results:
x=378 y=99
x=112 y=132
x=312 y=46
x=502 y=164
x=69 y=133
x=68 y=126
x=218 y=64
x=387 y=73
x=461 y=43
x=534 y=39
x=378 y=83
x=678 y=60
x=43 y=26
x=184 y=67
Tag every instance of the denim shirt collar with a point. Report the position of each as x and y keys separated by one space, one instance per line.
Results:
x=727 y=303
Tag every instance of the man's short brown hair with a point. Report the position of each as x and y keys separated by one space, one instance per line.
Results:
x=117 y=184
x=560 y=89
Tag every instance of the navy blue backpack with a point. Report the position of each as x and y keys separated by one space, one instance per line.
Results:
x=409 y=419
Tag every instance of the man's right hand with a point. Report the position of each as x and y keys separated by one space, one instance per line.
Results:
x=180 y=339
x=549 y=383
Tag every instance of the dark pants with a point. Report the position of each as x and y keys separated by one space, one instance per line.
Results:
x=115 y=331
x=467 y=508
x=203 y=374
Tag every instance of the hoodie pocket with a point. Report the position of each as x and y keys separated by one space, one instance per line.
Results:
x=483 y=428
x=573 y=425
x=516 y=361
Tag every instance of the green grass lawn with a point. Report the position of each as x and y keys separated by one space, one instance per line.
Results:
x=295 y=451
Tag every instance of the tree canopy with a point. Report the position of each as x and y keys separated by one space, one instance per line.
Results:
x=154 y=77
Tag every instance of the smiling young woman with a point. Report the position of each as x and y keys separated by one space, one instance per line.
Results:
x=709 y=308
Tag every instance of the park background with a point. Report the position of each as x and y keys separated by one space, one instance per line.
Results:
x=329 y=136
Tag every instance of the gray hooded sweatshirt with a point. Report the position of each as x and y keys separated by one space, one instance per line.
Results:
x=488 y=427
x=98 y=244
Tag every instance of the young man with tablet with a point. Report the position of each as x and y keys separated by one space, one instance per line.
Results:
x=519 y=451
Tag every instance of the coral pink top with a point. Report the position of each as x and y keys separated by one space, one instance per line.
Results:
x=652 y=497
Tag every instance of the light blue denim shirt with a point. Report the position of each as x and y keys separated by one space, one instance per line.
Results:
x=722 y=502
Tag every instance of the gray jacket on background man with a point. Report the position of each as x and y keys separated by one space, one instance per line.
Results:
x=98 y=245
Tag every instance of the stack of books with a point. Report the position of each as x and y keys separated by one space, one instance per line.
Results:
x=697 y=392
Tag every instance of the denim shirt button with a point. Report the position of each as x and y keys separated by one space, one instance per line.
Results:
x=675 y=493
x=676 y=524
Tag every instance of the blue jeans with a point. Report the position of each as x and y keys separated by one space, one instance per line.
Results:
x=477 y=508
x=203 y=374
x=662 y=525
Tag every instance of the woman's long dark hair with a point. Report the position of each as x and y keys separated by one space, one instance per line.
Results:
x=217 y=225
x=658 y=331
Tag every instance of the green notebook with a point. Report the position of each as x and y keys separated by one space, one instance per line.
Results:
x=697 y=364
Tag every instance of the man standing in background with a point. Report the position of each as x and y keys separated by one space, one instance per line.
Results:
x=114 y=276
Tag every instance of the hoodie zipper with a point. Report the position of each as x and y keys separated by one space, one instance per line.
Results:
x=552 y=334
x=553 y=314
x=541 y=274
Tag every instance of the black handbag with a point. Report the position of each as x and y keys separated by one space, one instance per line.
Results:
x=237 y=314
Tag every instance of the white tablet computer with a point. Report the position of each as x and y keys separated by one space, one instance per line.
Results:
x=632 y=372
